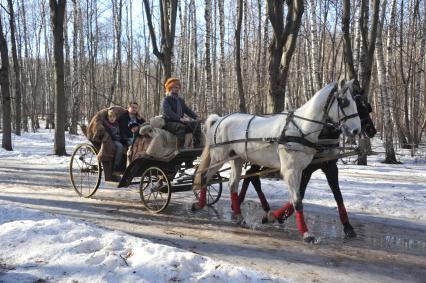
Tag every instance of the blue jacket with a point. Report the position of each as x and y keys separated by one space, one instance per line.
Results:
x=174 y=107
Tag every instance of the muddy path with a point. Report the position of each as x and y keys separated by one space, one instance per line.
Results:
x=386 y=250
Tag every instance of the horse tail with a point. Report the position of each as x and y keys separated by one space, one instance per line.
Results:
x=205 y=156
x=210 y=121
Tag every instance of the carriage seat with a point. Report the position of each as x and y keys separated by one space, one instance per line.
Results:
x=153 y=142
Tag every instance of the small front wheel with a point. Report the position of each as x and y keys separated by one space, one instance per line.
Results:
x=155 y=189
x=85 y=170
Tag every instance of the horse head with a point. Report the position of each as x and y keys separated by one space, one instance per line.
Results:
x=341 y=109
x=364 y=109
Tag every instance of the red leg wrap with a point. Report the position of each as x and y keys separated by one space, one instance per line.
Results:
x=300 y=221
x=202 y=197
x=235 y=203
x=343 y=214
x=279 y=212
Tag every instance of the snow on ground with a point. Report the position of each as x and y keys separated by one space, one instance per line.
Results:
x=54 y=248
x=41 y=247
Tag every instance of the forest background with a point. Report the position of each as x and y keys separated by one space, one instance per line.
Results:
x=64 y=60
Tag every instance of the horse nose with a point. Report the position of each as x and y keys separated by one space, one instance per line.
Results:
x=355 y=132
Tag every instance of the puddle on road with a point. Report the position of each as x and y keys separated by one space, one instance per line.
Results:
x=326 y=227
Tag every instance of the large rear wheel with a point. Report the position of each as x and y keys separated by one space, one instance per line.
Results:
x=85 y=170
x=155 y=189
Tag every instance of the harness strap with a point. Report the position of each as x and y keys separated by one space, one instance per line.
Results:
x=267 y=140
x=247 y=131
x=301 y=140
x=220 y=121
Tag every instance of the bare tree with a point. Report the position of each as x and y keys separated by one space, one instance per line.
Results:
x=16 y=69
x=222 y=89
x=381 y=73
x=168 y=11
x=282 y=48
x=207 y=65
x=57 y=10
x=242 y=104
x=314 y=46
x=75 y=86
x=6 y=142
x=117 y=8
x=347 y=46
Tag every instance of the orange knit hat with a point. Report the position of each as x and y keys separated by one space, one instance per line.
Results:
x=170 y=83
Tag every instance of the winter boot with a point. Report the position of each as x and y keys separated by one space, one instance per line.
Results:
x=109 y=176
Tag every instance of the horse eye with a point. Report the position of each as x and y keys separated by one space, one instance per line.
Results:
x=344 y=102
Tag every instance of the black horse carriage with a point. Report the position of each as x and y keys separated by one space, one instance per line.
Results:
x=158 y=177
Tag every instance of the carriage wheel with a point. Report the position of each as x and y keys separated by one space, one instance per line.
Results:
x=85 y=170
x=155 y=189
x=214 y=190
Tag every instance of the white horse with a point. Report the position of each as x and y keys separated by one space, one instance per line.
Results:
x=285 y=141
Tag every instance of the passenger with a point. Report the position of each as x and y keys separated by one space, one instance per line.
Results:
x=174 y=110
x=130 y=115
x=113 y=129
x=134 y=128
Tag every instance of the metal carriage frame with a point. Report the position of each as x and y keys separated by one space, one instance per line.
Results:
x=159 y=178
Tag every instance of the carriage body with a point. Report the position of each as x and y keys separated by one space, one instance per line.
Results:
x=157 y=178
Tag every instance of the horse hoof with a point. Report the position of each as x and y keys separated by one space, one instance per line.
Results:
x=269 y=217
x=349 y=234
x=349 y=231
x=195 y=207
x=307 y=238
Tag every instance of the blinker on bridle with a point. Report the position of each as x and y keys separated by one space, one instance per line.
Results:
x=342 y=102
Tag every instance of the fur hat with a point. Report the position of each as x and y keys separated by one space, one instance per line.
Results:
x=170 y=83
x=132 y=124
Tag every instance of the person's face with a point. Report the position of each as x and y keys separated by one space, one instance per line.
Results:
x=175 y=89
x=112 y=119
x=133 y=109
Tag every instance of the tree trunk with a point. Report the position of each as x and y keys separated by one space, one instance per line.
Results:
x=207 y=66
x=168 y=11
x=222 y=90
x=6 y=142
x=314 y=47
x=57 y=9
x=16 y=69
x=282 y=48
x=368 y=45
x=242 y=104
x=75 y=92
x=381 y=73
x=347 y=46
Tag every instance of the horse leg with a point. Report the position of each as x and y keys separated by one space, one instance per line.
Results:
x=287 y=209
x=255 y=180
x=258 y=187
x=244 y=187
x=236 y=168
x=202 y=196
x=293 y=177
x=332 y=173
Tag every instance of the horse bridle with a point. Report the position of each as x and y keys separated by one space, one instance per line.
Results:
x=342 y=102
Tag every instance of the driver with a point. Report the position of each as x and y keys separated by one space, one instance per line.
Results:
x=174 y=110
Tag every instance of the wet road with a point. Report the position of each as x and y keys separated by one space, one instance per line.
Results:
x=386 y=250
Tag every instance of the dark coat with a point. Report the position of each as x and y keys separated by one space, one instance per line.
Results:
x=98 y=135
x=123 y=122
x=170 y=109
